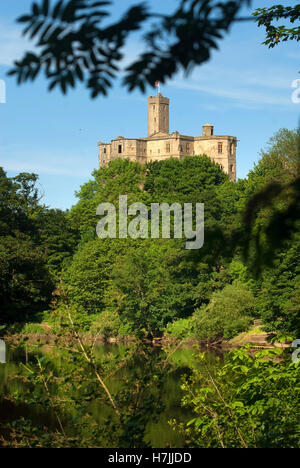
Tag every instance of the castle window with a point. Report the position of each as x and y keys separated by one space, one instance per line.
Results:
x=168 y=147
x=154 y=107
x=187 y=147
x=120 y=149
x=155 y=119
x=104 y=150
x=220 y=148
x=180 y=148
x=231 y=168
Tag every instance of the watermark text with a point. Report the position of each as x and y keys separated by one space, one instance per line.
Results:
x=2 y=92
x=159 y=222
x=2 y=352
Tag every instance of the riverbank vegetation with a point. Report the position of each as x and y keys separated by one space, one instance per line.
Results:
x=122 y=286
x=58 y=278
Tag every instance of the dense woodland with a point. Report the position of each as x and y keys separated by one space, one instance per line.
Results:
x=121 y=286
x=57 y=275
x=61 y=286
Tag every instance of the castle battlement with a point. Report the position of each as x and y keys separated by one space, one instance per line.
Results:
x=160 y=144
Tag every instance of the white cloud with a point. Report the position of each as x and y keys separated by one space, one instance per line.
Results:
x=22 y=166
x=45 y=163
x=244 y=87
x=244 y=95
x=12 y=43
x=294 y=55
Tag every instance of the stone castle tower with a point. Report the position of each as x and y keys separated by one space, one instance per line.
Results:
x=158 y=114
x=160 y=144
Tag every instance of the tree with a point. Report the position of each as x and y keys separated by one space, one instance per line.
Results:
x=278 y=163
x=248 y=401
x=183 y=180
x=147 y=283
x=277 y=301
x=76 y=46
x=272 y=214
x=57 y=237
x=120 y=177
x=152 y=285
x=87 y=277
x=229 y=312
x=275 y=34
x=25 y=283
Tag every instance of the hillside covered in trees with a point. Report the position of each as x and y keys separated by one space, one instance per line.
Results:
x=61 y=287
x=120 y=286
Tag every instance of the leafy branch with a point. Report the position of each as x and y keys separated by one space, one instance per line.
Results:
x=275 y=34
x=73 y=45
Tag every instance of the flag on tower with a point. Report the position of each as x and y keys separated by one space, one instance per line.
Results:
x=157 y=84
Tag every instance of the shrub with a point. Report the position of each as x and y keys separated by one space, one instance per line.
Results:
x=108 y=324
x=182 y=328
x=229 y=313
x=246 y=401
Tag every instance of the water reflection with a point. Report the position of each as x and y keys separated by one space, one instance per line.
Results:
x=159 y=434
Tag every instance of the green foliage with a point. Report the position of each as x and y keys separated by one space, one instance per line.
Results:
x=272 y=214
x=183 y=180
x=124 y=277
x=25 y=283
x=18 y=203
x=109 y=324
x=266 y=17
x=58 y=238
x=120 y=177
x=88 y=276
x=75 y=46
x=34 y=328
x=248 y=401
x=151 y=285
x=229 y=312
x=35 y=244
x=71 y=378
x=277 y=301
x=279 y=161
x=181 y=328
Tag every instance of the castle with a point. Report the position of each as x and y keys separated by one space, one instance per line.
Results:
x=160 y=144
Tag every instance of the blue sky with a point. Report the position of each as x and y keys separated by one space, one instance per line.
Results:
x=244 y=90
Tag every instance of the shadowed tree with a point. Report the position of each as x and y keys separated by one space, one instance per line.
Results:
x=76 y=43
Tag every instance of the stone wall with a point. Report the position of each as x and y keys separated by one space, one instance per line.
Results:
x=160 y=145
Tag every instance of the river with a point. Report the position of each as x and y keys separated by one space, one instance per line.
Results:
x=159 y=434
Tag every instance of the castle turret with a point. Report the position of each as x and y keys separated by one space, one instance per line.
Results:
x=158 y=114
x=207 y=130
x=160 y=145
